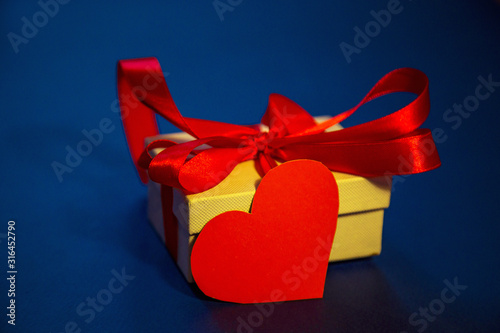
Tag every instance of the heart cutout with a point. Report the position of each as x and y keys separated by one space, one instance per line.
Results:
x=280 y=250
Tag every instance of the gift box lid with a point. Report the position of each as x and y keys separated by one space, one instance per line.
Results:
x=236 y=191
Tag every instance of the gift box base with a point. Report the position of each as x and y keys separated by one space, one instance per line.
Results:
x=358 y=235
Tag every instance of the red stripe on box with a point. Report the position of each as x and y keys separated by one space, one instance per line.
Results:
x=170 y=225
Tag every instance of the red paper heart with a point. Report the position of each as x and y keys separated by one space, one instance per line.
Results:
x=278 y=252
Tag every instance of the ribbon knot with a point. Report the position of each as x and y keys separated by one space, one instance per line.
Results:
x=391 y=145
x=261 y=151
x=261 y=141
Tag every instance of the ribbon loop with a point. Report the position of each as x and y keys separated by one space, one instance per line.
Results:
x=390 y=145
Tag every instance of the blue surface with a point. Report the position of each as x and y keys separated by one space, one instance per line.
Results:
x=73 y=236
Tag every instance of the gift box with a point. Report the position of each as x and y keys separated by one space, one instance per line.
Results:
x=214 y=167
x=359 y=224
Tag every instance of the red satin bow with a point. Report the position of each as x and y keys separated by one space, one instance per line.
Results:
x=375 y=148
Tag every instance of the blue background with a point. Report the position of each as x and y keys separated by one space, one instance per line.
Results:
x=71 y=235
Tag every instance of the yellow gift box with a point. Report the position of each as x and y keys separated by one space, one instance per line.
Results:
x=359 y=226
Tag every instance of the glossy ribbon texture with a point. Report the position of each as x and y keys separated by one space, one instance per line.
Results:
x=374 y=148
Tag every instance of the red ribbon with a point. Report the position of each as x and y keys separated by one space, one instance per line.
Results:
x=170 y=223
x=375 y=148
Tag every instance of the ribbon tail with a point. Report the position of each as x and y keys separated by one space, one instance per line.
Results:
x=142 y=92
x=208 y=168
x=395 y=124
x=411 y=154
x=138 y=120
x=203 y=171
x=264 y=164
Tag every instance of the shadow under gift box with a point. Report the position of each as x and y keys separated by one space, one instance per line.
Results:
x=359 y=224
